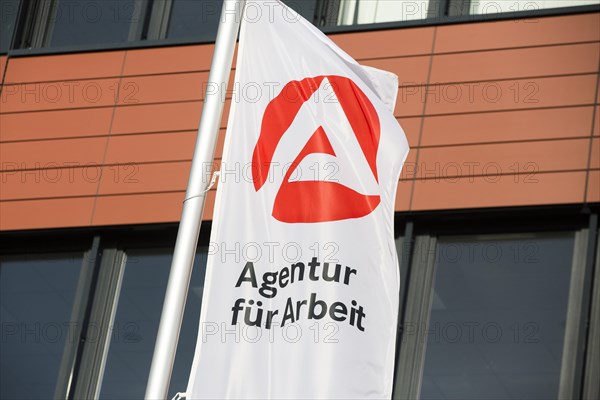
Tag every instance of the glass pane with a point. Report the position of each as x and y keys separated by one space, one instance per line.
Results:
x=87 y=22
x=306 y=8
x=136 y=325
x=401 y=248
x=194 y=18
x=37 y=294
x=8 y=16
x=498 y=318
x=500 y=6
x=200 y=18
x=373 y=11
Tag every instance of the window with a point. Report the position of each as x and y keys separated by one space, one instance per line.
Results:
x=60 y=23
x=85 y=23
x=510 y=314
x=8 y=15
x=135 y=325
x=498 y=317
x=356 y=12
x=199 y=19
x=193 y=18
x=82 y=24
x=39 y=322
x=501 y=315
x=90 y=22
x=478 y=7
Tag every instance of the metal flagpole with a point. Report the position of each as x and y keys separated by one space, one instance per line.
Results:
x=193 y=205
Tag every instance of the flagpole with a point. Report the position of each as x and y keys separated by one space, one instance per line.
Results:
x=193 y=205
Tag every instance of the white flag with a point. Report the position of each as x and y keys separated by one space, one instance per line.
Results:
x=301 y=291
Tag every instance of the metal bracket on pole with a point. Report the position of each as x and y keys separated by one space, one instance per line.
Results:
x=191 y=217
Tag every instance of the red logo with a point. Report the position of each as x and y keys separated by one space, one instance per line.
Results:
x=317 y=201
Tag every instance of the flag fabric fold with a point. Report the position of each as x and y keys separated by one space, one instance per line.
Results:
x=302 y=282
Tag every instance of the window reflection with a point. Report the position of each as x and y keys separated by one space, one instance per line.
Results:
x=194 y=18
x=200 y=18
x=136 y=325
x=500 y=6
x=8 y=15
x=353 y=12
x=88 y=22
x=356 y=12
x=498 y=318
x=37 y=295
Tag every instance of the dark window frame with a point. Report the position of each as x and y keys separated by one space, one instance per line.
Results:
x=591 y=386
x=88 y=247
x=423 y=239
x=157 y=28
x=34 y=26
x=104 y=256
x=412 y=231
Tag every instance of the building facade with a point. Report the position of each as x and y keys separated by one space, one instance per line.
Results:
x=496 y=210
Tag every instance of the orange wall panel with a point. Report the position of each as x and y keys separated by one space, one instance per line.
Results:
x=65 y=67
x=52 y=153
x=138 y=209
x=410 y=70
x=145 y=178
x=55 y=124
x=502 y=191
x=168 y=60
x=403 y=194
x=412 y=129
x=529 y=158
x=512 y=95
x=507 y=126
x=157 y=118
x=144 y=208
x=391 y=43
x=171 y=146
x=410 y=101
x=164 y=88
x=595 y=156
x=593 y=191
x=49 y=213
x=220 y=144
x=596 y=130
x=518 y=33
x=410 y=169
x=515 y=63
x=59 y=95
x=3 y=60
x=50 y=183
